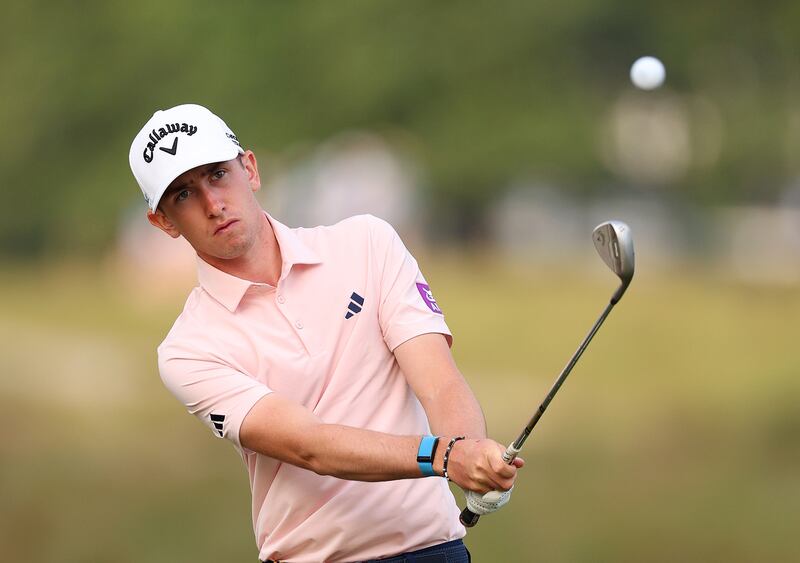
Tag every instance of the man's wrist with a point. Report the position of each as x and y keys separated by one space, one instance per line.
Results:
x=443 y=452
x=446 y=456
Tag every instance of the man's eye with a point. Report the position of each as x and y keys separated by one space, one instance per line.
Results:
x=181 y=195
x=218 y=174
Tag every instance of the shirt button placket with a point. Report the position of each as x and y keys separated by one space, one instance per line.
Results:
x=298 y=324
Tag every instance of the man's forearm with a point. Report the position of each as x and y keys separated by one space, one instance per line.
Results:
x=278 y=428
x=455 y=412
x=449 y=403
x=475 y=464
x=362 y=455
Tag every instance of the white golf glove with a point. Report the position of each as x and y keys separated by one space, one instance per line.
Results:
x=488 y=503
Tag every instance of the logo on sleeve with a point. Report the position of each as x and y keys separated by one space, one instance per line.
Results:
x=427 y=297
x=218 y=420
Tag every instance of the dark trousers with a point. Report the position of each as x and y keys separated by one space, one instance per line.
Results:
x=449 y=552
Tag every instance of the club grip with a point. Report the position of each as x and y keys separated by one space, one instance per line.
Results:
x=469 y=518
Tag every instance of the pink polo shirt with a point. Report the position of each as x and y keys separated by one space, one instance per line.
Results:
x=348 y=295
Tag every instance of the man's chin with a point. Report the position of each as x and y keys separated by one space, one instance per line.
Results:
x=232 y=249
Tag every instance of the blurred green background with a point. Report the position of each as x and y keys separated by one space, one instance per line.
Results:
x=509 y=130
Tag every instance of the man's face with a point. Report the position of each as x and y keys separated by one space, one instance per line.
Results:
x=214 y=207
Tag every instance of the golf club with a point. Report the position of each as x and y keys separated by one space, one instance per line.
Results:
x=614 y=243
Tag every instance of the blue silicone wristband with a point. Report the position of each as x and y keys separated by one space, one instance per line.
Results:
x=425 y=453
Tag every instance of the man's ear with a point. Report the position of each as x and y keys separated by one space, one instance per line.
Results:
x=251 y=168
x=158 y=219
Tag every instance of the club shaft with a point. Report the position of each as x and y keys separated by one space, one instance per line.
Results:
x=469 y=518
x=512 y=450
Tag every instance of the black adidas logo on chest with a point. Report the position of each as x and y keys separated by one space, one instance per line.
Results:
x=355 y=306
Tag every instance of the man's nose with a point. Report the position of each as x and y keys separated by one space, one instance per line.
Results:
x=214 y=204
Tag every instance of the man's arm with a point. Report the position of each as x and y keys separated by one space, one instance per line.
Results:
x=453 y=410
x=282 y=429
x=449 y=403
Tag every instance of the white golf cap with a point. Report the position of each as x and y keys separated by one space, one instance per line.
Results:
x=176 y=140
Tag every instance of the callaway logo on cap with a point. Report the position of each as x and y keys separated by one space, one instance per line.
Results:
x=176 y=140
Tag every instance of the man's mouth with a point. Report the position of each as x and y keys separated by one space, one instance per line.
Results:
x=223 y=227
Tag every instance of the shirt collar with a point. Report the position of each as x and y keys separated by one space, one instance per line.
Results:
x=229 y=290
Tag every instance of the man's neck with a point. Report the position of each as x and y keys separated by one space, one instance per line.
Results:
x=261 y=263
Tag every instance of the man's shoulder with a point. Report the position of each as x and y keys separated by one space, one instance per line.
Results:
x=355 y=223
x=191 y=323
x=366 y=226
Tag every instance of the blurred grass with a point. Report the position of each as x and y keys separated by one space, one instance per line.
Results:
x=675 y=438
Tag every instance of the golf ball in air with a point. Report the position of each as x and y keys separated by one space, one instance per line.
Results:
x=647 y=73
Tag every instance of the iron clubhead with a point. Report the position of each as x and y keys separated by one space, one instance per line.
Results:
x=614 y=243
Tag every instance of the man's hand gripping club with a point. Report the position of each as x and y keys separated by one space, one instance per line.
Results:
x=479 y=468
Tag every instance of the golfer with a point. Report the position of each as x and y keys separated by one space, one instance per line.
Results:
x=321 y=354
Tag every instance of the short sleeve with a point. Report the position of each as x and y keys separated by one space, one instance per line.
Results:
x=218 y=395
x=407 y=305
